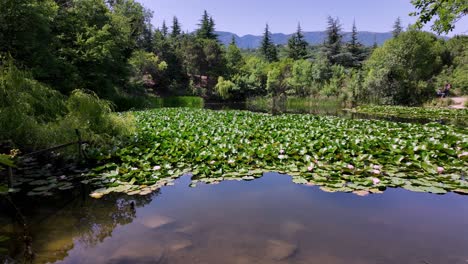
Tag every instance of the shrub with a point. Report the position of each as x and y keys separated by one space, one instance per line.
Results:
x=35 y=116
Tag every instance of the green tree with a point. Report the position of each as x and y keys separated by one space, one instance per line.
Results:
x=332 y=45
x=176 y=28
x=26 y=34
x=234 y=58
x=301 y=80
x=207 y=27
x=164 y=29
x=268 y=49
x=455 y=70
x=204 y=61
x=448 y=12
x=297 y=45
x=397 y=28
x=356 y=50
x=400 y=71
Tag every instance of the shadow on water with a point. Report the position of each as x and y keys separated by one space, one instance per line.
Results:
x=269 y=220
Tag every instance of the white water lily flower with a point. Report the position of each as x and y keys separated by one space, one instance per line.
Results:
x=212 y=162
x=281 y=157
x=310 y=168
x=440 y=170
x=134 y=169
x=155 y=168
x=281 y=151
x=231 y=161
x=463 y=154
x=377 y=167
x=351 y=167
x=377 y=172
x=375 y=181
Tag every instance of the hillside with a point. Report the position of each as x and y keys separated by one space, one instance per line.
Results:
x=314 y=38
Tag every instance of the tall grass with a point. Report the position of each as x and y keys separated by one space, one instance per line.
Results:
x=125 y=103
x=297 y=104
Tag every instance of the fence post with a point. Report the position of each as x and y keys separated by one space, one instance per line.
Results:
x=10 y=177
x=80 y=151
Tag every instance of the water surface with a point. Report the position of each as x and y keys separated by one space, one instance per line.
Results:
x=269 y=220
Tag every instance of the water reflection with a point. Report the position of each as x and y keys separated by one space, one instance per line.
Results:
x=48 y=228
x=269 y=220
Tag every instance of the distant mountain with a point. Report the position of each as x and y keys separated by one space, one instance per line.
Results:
x=314 y=38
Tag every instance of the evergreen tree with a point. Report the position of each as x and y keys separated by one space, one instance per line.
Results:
x=375 y=45
x=297 y=45
x=397 y=28
x=332 y=45
x=176 y=29
x=206 y=30
x=164 y=29
x=355 y=48
x=268 y=48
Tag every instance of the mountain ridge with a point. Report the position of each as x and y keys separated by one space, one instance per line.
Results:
x=250 y=41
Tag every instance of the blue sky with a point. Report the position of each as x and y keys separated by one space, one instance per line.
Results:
x=250 y=16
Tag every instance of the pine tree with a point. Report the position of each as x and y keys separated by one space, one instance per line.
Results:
x=268 y=48
x=207 y=27
x=164 y=29
x=176 y=29
x=332 y=45
x=375 y=43
x=297 y=45
x=355 y=48
x=397 y=28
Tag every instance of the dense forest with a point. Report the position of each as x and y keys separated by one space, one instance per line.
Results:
x=60 y=58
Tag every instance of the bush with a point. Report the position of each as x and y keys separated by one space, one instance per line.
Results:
x=35 y=116
x=401 y=71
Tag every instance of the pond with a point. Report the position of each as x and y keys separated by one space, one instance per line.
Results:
x=352 y=215
x=268 y=220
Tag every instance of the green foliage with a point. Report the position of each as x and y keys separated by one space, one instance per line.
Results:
x=397 y=28
x=297 y=45
x=337 y=154
x=447 y=13
x=26 y=33
x=147 y=69
x=356 y=51
x=6 y=161
x=268 y=49
x=414 y=112
x=332 y=45
x=207 y=28
x=176 y=28
x=456 y=69
x=302 y=81
x=401 y=70
x=224 y=88
x=34 y=116
x=278 y=77
x=234 y=59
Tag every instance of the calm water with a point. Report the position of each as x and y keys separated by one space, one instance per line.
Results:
x=269 y=220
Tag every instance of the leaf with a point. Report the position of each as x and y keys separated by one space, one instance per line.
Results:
x=299 y=180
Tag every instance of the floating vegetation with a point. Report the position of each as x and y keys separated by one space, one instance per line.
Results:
x=413 y=112
x=340 y=155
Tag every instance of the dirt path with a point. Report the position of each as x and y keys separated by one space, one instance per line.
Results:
x=459 y=102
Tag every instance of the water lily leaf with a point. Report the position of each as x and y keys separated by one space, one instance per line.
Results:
x=299 y=180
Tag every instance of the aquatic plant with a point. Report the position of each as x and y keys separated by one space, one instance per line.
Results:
x=336 y=154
